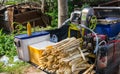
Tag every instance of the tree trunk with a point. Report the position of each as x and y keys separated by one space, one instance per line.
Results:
x=43 y=6
x=62 y=11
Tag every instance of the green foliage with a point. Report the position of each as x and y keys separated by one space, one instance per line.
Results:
x=53 y=12
x=19 y=28
x=70 y=7
x=16 y=68
x=1 y=66
x=7 y=44
x=54 y=15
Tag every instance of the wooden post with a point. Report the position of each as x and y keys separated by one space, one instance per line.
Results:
x=10 y=18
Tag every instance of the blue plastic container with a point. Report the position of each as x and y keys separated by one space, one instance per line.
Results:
x=110 y=30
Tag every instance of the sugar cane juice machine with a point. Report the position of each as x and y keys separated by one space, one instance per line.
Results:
x=98 y=43
x=104 y=35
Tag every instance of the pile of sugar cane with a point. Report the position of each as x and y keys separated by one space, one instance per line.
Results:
x=65 y=57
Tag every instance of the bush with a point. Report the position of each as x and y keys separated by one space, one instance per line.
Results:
x=7 y=44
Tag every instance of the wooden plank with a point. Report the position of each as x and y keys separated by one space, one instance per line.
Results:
x=26 y=16
x=31 y=20
x=33 y=16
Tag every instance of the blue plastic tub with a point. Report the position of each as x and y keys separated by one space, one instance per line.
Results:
x=111 y=30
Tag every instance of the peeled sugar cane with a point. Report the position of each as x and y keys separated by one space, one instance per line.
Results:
x=65 y=57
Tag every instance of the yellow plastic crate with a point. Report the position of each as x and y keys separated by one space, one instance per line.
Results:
x=35 y=51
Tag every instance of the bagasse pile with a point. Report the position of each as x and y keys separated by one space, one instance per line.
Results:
x=66 y=57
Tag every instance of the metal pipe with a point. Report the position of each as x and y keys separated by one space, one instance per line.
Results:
x=106 y=7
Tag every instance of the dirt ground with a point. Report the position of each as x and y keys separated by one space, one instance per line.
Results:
x=33 y=70
x=30 y=70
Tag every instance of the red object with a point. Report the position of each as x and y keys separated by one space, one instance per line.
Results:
x=101 y=36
